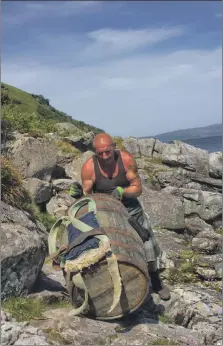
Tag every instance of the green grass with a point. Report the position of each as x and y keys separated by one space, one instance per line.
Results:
x=38 y=105
x=46 y=219
x=166 y=319
x=185 y=271
x=119 y=143
x=23 y=309
x=28 y=104
x=219 y=231
x=67 y=148
x=12 y=190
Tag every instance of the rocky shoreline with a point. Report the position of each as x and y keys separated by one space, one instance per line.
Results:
x=182 y=195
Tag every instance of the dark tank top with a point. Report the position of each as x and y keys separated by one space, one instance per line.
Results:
x=103 y=184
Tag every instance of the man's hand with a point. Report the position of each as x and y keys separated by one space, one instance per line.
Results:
x=118 y=193
x=76 y=190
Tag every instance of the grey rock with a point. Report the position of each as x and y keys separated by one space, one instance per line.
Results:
x=19 y=333
x=215 y=164
x=62 y=184
x=69 y=127
x=59 y=204
x=23 y=249
x=83 y=142
x=34 y=157
x=158 y=147
x=40 y=190
x=196 y=308
x=207 y=242
x=132 y=146
x=73 y=169
x=208 y=207
x=196 y=224
x=164 y=209
x=186 y=156
x=146 y=146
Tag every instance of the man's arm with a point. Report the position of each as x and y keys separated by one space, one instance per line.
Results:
x=135 y=188
x=87 y=177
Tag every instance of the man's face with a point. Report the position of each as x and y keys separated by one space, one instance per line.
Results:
x=105 y=153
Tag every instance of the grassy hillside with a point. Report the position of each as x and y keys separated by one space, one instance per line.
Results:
x=28 y=104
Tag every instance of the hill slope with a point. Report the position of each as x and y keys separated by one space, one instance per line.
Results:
x=38 y=104
x=191 y=133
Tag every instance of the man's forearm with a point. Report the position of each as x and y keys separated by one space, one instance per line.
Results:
x=132 y=191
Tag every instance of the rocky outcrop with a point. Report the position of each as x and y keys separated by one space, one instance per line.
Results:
x=184 y=155
x=182 y=198
x=177 y=154
x=34 y=157
x=20 y=333
x=23 y=249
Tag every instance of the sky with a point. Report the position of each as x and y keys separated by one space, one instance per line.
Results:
x=132 y=68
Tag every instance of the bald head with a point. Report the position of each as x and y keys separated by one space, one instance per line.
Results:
x=102 y=140
x=105 y=148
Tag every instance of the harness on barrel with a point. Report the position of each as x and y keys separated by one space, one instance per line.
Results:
x=60 y=252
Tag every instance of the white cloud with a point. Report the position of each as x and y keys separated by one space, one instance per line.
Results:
x=129 y=95
x=28 y=11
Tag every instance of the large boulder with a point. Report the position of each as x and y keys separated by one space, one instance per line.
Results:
x=186 y=156
x=23 y=250
x=163 y=209
x=215 y=164
x=208 y=207
x=34 y=157
x=69 y=127
x=195 y=224
x=40 y=190
x=132 y=146
x=83 y=142
x=146 y=146
x=207 y=242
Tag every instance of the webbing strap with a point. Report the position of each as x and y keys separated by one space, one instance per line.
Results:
x=77 y=205
x=78 y=281
x=116 y=280
x=52 y=237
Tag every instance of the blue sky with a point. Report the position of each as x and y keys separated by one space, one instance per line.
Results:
x=132 y=68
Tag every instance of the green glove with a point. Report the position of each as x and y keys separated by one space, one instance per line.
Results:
x=118 y=193
x=76 y=190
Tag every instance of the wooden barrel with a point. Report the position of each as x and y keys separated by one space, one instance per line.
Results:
x=129 y=251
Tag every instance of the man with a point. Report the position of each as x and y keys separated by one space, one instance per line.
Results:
x=115 y=172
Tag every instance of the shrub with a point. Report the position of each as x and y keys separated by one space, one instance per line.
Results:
x=26 y=122
x=119 y=143
x=67 y=148
x=13 y=192
x=47 y=220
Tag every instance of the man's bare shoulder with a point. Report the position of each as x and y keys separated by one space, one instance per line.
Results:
x=88 y=167
x=128 y=160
